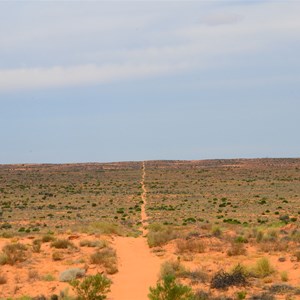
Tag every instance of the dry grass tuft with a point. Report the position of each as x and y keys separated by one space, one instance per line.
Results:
x=13 y=253
x=173 y=268
x=236 y=249
x=190 y=245
x=106 y=257
x=62 y=244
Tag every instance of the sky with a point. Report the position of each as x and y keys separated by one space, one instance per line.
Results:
x=103 y=81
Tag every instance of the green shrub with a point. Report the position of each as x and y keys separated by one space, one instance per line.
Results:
x=92 y=287
x=284 y=276
x=241 y=295
x=240 y=239
x=216 y=231
x=263 y=268
x=168 y=289
x=3 y=259
x=48 y=277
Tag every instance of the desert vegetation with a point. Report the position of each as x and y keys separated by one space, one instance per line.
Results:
x=221 y=229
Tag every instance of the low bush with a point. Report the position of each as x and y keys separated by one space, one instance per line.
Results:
x=71 y=274
x=236 y=249
x=48 y=277
x=263 y=296
x=13 y=253
x=36 y=246
x=173 y=268
x=241 y=295
x=56 y=256
x=3 y=259
x=284 y=276
x=62 y=244
x=216 y=231
x=263 y=268
x=202 y=295
x=159 y=235
x=92 y=287
x=168 y=289
x=97 y=243
x=295 y=236
x=33 y=275
x=297 y=255
x=196 y=276
x=190 y=245
x=223 y=280
x=105 y=228
x=241 y=239
x=48 y=238
x=106 y=257
x=281 y=288
x=278 y=246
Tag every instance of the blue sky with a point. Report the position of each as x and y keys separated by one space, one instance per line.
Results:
x=117 y=80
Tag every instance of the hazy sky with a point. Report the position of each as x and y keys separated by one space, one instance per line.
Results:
x=117 y=80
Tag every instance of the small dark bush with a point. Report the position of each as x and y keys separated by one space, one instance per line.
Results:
x=281 y=288
x=196 y=276
x=263 y=296
x=202 y=295
x=223 y=280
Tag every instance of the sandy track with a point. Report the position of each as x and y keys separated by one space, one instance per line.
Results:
x=138 y=267
x=144 y=217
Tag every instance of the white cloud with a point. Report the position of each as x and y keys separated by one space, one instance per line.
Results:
x=221 y=19
x=35 y=78
x=107 y=45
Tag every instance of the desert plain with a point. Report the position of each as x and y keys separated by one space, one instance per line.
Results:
x=218 y=229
